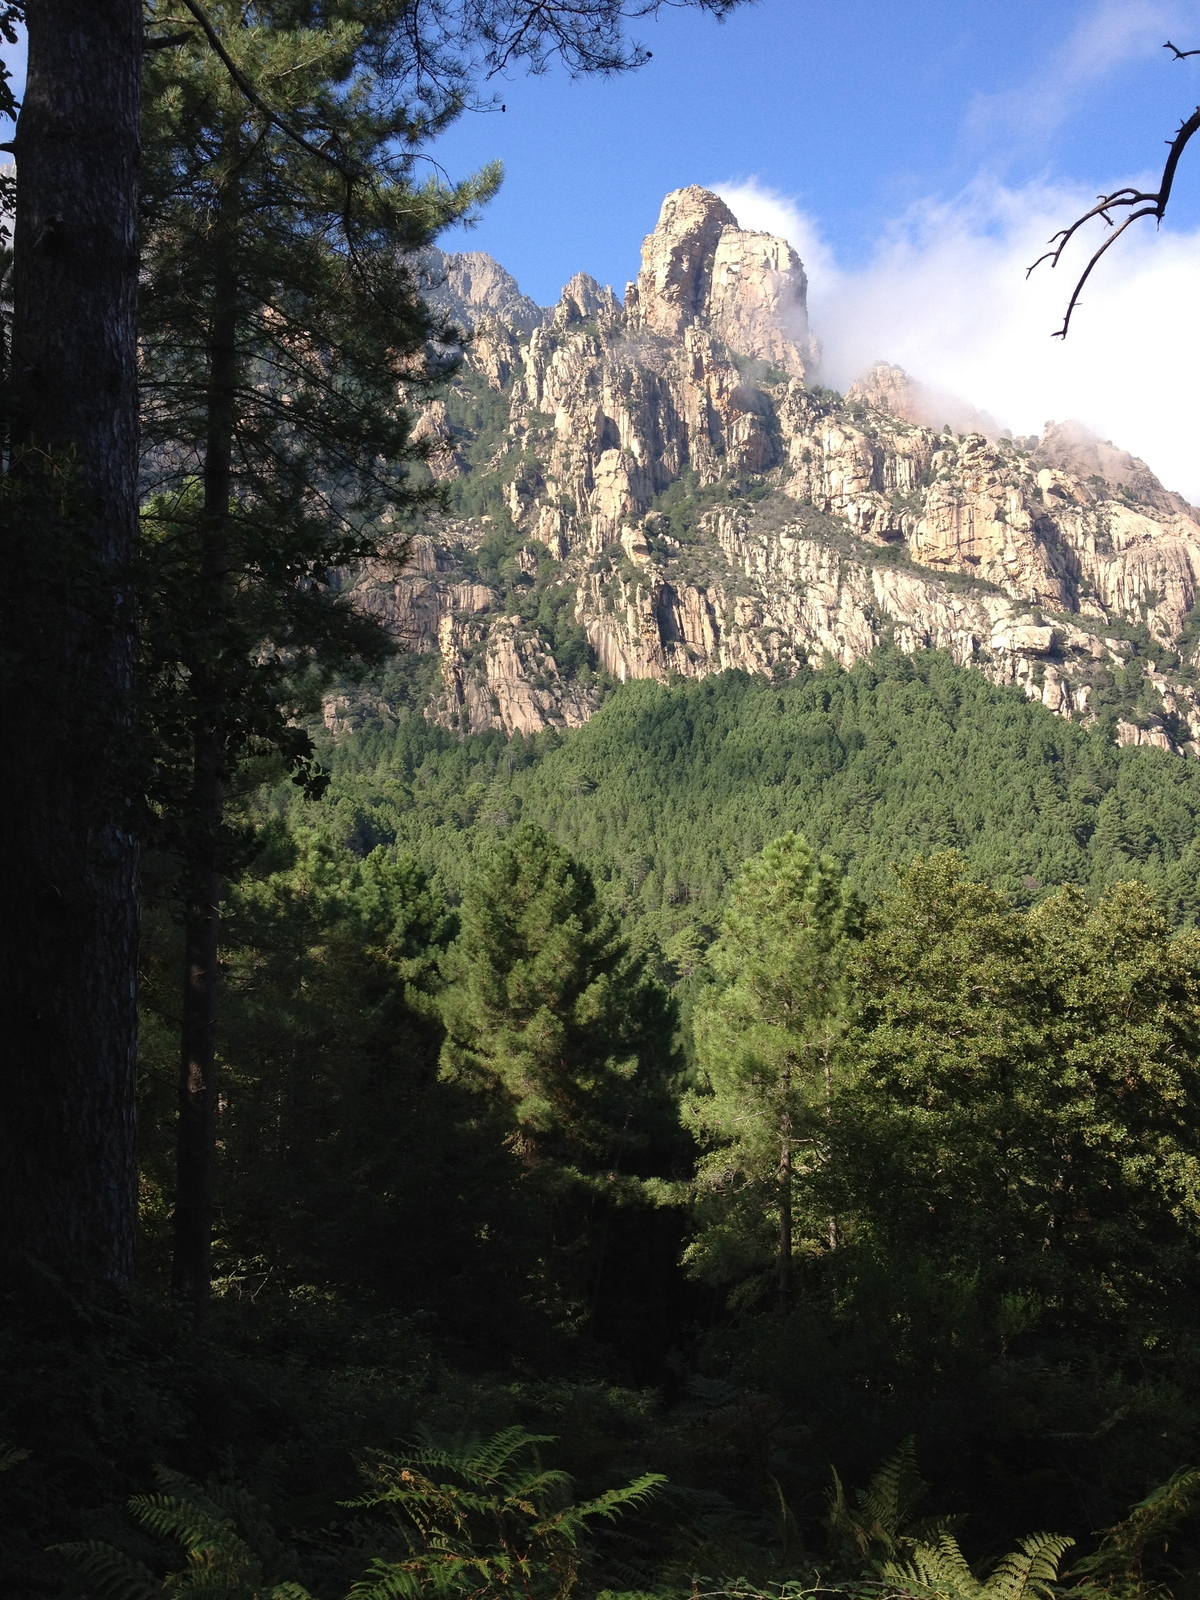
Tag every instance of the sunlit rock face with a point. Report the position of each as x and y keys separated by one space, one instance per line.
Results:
x=701 y=271
x=660 y=487
x=471 y=287
x=672 y=289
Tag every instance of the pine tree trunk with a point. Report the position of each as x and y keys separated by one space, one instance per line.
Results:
x=833 y=1232
x=785 y=1196
x=191 y=1271
x=196 y=1151
x=68 y=896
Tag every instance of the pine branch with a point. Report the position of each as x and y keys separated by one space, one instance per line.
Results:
x=256 y=100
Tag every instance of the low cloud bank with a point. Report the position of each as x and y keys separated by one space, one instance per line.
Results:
x=945 y=296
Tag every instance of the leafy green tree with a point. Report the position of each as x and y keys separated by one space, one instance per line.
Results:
x=768 y=1041
x=1023 y=1102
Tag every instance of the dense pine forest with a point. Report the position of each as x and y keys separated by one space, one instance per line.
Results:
x=745 y=1146
x=764 y=1089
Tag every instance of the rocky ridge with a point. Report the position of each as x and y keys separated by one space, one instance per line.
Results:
x=661 y=487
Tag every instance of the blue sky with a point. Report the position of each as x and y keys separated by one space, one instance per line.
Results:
x=918 y=155
x=855 y=111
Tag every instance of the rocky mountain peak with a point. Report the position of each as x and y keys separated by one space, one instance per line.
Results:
x=673 y=286
x=893 y=390
x=699 y=268
x=585 y=300
x=1072 y=447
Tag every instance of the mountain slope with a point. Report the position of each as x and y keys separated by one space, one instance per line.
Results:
x=667 y=790
x=662 y=489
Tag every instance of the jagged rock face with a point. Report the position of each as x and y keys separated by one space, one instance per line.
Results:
x=786 y=597
x=890 y=388
x=699 y=269
x=470 y=286
x=832 y=524
x=1071 y=448
x=585 y=300
x=672 y=288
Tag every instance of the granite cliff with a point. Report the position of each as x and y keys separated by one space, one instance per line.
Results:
x=662 y=487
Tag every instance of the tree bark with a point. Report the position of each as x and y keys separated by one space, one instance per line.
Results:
x=191 y=1271
x=785 y=1196
x=68 y=856
x=833 y=1232
x=196 y=1150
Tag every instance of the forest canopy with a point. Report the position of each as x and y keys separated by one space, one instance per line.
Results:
x=669 y=788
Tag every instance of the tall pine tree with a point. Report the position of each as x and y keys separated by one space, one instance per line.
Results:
x=768 y=1040
x=546 y=1006
x=282 y=331
x=68 y=870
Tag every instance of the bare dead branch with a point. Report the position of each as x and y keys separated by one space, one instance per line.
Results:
x=1136 y=203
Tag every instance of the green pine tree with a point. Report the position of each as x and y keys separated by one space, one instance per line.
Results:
x=546 y=1006
x=281 y=328
x=768 y=1043
x=546 y=1002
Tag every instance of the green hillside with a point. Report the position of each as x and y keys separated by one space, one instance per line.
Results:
x=669 y=789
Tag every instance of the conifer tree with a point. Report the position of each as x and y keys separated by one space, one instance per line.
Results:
x=68 y=874
x=281 y=322
x=767 y=1041
x=72 y=978
x=546 y=1006
x=950 y=1110
x=545 y=1002
x=1021 y=1112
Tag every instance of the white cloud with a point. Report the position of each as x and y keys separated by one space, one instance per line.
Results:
x=1110 y=34
x=945 y=296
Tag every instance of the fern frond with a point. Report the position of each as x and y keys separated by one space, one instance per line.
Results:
x=1123 y=1547
x=838 y=1519
x=608 y=1505
x=939 y=1571
x=484 y=1518
x=1030 y=1572
x=877 y=1527
x=385 y=1581
x=888 y=1501
x=111 y=1572
x=928 y=1530
x=478 y=1461
x=191 y=1525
